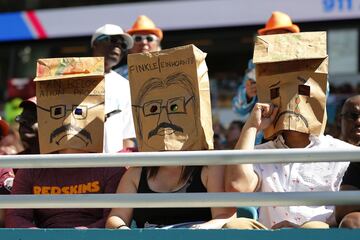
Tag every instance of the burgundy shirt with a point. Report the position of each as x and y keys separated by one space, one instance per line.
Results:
x=62 y=181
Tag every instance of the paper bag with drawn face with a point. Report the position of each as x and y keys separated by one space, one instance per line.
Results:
x=291 y=72
x=171 y=99
x=70 y=99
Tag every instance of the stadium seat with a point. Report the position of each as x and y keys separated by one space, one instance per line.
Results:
x=248 y=212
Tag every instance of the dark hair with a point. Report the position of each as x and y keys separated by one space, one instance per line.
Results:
x=185 y=172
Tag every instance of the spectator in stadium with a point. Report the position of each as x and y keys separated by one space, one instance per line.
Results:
x=246 y=97
x=64 y=130
x=111 y=42
x=147 y=38
x=62 y=181
x=350 y=125
x=285 y=177
x=28 y=127
x=6 y=174
x=233 y=134
x=349 y=216
x=292 y=116
x=167 y=119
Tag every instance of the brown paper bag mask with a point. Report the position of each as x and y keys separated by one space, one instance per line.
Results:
x=291 y=72
x=70 y=99
x=171 y=99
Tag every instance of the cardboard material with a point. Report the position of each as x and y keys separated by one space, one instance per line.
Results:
x=291 y=72
x=170 y=94
x=70 y=98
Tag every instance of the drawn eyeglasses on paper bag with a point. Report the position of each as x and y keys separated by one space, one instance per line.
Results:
x=173 y=106
x=78 y=111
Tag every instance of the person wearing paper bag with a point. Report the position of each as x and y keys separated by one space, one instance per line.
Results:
x=291 y=71
x=246 y=97
x=172 y=112
x=70 y=113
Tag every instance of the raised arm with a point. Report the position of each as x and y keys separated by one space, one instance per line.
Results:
x=241 y=177
x=120 y=218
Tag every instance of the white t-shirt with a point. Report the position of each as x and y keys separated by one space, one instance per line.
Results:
x=119 y=125
x=300 y=177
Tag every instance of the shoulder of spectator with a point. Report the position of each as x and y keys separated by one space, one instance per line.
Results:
x=131 y=177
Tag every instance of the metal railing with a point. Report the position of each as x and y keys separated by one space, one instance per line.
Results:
x=188 y=158
x=178 y=200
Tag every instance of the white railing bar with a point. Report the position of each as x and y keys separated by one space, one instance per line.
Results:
x=165 y=200
x=225 y=157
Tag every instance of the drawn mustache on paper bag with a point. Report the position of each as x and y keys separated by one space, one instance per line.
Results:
x=291 y=72
x=69 y=129
x=70 y=103
x=171 y=104
x=163 y=126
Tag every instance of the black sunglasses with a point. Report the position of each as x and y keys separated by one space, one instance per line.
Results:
x=351 y=115
x=115 y=40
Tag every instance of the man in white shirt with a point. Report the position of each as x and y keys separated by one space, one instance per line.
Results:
x=111 y=42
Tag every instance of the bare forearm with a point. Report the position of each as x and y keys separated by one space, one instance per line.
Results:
x=240 y=178
x=114 y=222
x=247 y=138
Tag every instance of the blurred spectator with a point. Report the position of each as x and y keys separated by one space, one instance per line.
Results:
x=6 y=174
x=28 y=127
x=6 y=182
x=219 y=135
x=246 y=98
x=345 y=88
x=110 y=41
x=233 y=134
x=12 y=109
x=11 y=143
x=4 y=128
x=349 y=216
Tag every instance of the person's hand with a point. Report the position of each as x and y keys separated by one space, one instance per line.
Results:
x=285 y=224
x=250 y=88
x=202 y=226
x=81 y=228
x=262 y=115
x=212 y=224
